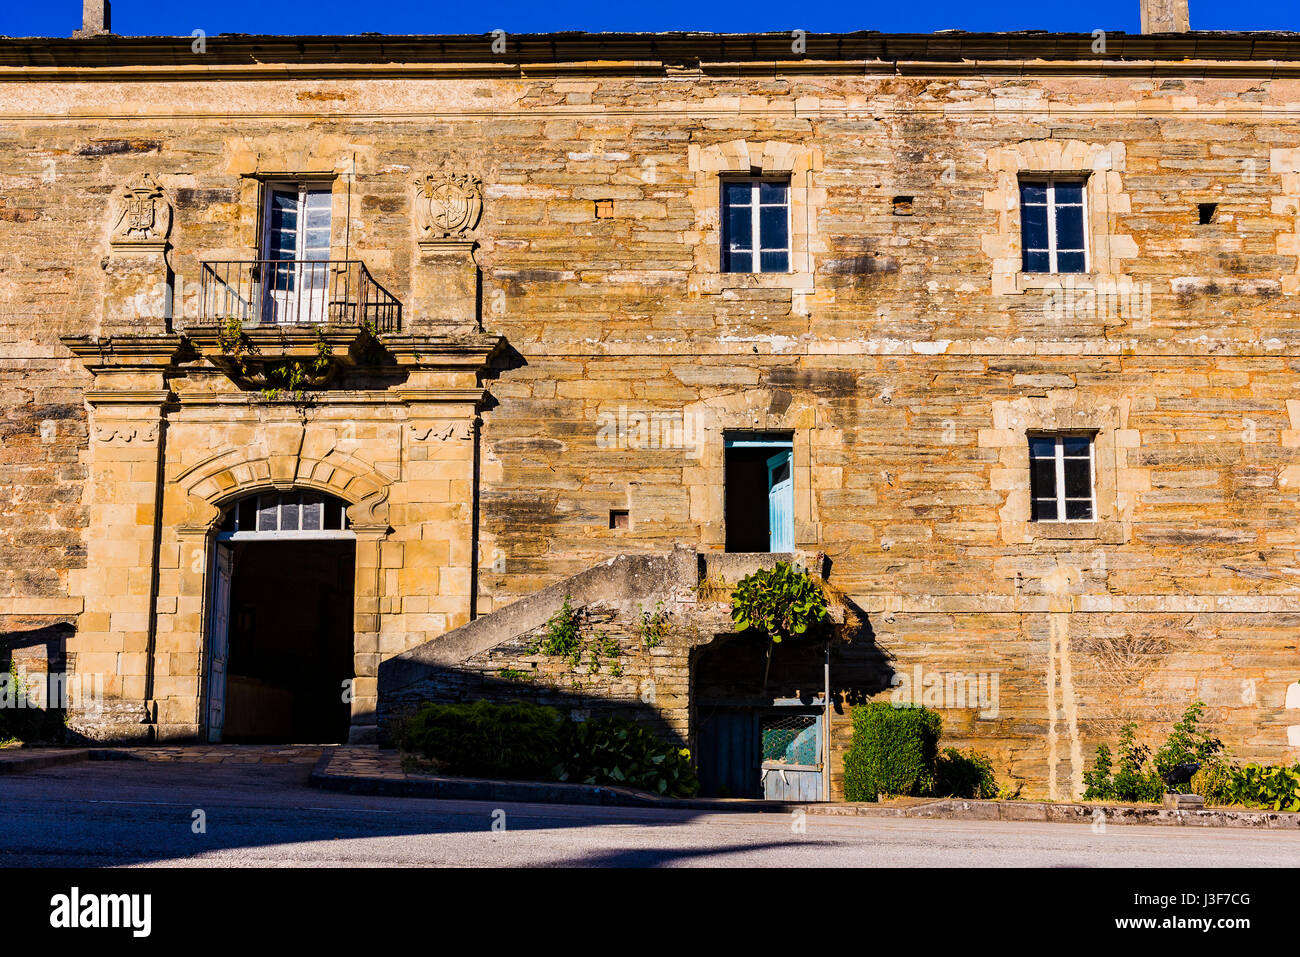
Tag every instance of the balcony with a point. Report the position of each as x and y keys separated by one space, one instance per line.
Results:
x=257 y=318
x=295 y=292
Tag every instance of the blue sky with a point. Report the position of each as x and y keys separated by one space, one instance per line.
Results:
x=154 y=17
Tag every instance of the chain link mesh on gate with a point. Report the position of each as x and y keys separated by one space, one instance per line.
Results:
x=790 y=739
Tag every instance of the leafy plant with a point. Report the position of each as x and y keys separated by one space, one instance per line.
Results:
x=620 y=752
x=893 y=751
x=486 y=739
x=563 y=637
x=653 y=626
x=1133 y=780
x=524 y=741
x=964 y=774
x=782 y=602
x=1188 y=743
x=1275 y=787
x=1097 y=779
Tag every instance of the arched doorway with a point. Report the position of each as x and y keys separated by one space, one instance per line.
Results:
x=280 y=636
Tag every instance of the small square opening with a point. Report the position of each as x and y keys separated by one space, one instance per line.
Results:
x=604 y=208
x=1207 y=213
x=903 y=205
x=618 y=518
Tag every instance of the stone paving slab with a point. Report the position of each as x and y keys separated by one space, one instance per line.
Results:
x=369 y=770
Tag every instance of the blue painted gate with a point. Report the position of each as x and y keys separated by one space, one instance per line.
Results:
x=747 y=752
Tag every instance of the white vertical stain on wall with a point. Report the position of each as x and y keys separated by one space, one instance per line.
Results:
x=1060 y=670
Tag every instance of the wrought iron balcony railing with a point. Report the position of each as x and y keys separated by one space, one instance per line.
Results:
x=295 y=292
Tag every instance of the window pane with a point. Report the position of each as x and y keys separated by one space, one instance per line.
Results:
x=776 y=261
x=290 y=520
x=248 y=515
x=736 y=194
x=772 y=193
x=1078 y=510
x=311 y=513
x=740 y=262
x=1069 y=227
x=1044 y=510
x=1078 y=479
x=773 y=228
x=1069 y=193
x=1033 y=193
x=268 y=514
x=1042 y=447
x=1075 y=444
x=740 y=227
x=1043 y=478
x=1069 y=262
x=1037 y=261
x=1033 y=227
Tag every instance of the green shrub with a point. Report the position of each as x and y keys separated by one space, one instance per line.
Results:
x=523 y=741
x=1187 y=743
x=893 y=751
x=782 y=602
x=1276 y=787
x=1097 y=779
x=964 y=774
x=621 y=752
x=1214 y=783
x=562 y=638
x=486 y=739
x=1133 y=779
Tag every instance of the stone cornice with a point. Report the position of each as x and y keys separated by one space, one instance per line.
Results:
x=113 y=57
x=125 y=353
x=460 y=352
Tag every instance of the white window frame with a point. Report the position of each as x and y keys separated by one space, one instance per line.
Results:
x=1058 y=454
x=756 y=250
x=1050 y=182
x=302 y=187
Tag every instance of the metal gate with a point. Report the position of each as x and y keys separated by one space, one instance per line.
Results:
x=748 y=752
x=791 y=743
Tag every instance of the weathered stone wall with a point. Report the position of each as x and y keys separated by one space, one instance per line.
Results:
x=908 y=360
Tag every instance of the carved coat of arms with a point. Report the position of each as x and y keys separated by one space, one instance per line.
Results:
x=447 y=204
x=143 y=213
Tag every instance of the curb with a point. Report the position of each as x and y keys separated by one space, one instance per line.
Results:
x=48 y=759
x=535 y=792
x=529 y=792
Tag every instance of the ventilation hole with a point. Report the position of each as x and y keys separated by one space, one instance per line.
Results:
x=618 y=518
x=903 y=205
x=1208 y=213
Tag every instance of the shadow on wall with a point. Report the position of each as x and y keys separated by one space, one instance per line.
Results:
x=37 y=653
x=452 y=685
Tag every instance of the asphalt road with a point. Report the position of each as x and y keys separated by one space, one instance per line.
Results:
x=128 y=813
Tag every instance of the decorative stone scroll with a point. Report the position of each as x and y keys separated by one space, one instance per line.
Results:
x=450 y=430
x=142 y=214
x=447 y=205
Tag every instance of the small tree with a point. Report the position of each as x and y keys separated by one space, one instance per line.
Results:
x=782 y=602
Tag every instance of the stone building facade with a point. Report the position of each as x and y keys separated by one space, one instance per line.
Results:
x=526 y=354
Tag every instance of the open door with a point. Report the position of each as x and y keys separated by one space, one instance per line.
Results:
x=780 y=503
x=219 y=641
x=297 y=243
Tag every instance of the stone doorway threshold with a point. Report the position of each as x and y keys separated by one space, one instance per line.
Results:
x=365 y=769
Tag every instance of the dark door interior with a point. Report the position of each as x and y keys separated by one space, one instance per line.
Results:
x=291 y=642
